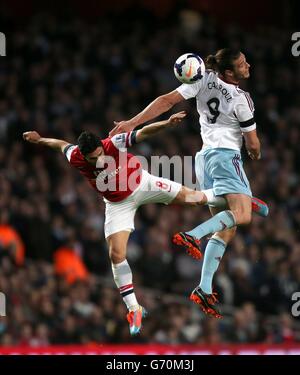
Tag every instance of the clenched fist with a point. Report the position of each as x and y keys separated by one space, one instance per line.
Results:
x=32 y=136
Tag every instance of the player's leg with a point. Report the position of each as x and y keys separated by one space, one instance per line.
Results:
x=161 y=190
x=225 y=168
x=117 y=245
x=203 y=294
x=221 y=221
x=240 y=206
x=119 y=222
x=217 y=244
x=239 y=213
x=189 y=197
x=214 y=252
x=205 y=178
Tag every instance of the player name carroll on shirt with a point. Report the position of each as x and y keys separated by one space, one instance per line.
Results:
x=226 y=111
x=221 y=88
x=117 y=175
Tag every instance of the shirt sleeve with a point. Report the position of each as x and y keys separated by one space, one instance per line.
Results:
x=124 y=140
x=189 y=91
x=244 y=112
x=68 y=151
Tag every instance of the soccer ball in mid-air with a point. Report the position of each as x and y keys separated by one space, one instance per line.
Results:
x=189 y=68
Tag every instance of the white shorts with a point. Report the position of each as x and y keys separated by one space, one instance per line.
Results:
x=119 y=216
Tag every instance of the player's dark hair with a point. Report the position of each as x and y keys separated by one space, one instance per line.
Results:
x=88 y=142
x=222 y=60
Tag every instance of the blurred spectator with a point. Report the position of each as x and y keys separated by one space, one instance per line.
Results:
x=69 y=265
x=10 y=240
x=285 y=331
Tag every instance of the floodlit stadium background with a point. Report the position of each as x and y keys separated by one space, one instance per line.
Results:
x=84 y=65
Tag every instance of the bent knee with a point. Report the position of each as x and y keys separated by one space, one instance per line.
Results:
x=244 y=219
x=226 y=235
x=116 y=255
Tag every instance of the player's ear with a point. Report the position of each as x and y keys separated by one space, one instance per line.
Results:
x=229 y=73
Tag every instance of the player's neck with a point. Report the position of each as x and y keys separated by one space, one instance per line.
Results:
x=229 y=80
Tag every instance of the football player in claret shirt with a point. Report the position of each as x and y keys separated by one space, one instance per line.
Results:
x=118 y=176
x=226 y=119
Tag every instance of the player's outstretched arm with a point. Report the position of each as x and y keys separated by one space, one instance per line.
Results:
x=34 y=137
x=152 y=129
x=160 y=105
x=252 y=144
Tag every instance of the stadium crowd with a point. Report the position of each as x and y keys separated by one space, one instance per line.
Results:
x=63 y=76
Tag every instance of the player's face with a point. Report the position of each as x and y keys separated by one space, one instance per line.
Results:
x=241 y=68
x=93 y=157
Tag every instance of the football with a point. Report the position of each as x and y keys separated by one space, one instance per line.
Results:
x=189 y=68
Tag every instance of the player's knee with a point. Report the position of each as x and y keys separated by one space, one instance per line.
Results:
x=116 y=255
x=226 y=235
x=244 y=218
x=248 y=218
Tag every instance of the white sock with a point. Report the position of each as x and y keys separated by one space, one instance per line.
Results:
x=123 y=279
x=213 y=200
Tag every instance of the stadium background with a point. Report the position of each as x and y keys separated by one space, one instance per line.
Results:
x=84 y=65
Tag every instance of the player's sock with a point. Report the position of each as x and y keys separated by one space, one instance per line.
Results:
x=123 y=279
x=222 y=220
x=213 y=200
x=214 y=251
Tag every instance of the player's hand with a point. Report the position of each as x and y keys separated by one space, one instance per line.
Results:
x=254 y=156
x=177 y=117
x=31 y=136
x=121 y=127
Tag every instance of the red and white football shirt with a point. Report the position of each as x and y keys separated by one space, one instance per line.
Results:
x=117 y=178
